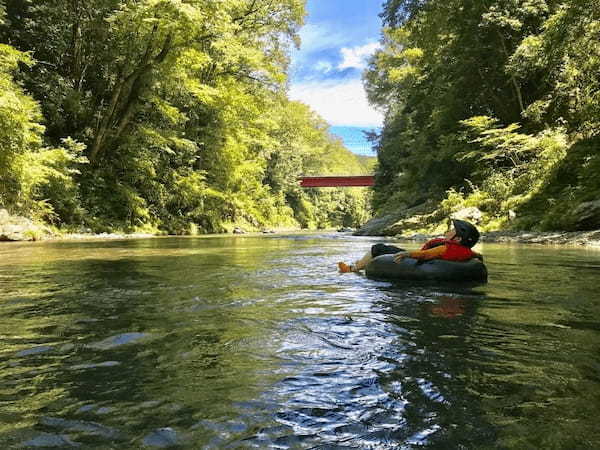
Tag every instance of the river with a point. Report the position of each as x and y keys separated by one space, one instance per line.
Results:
x=257 y=341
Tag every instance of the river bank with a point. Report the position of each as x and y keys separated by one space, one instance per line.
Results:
x=52 y=236
x=574 y=238
x=19 y=229
x=14 y=228
x=417 y=224
x=581 y=239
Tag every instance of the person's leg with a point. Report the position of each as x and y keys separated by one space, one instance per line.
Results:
x=357 y=266
x=384 y=249
x=376 y=250
x=362 y=262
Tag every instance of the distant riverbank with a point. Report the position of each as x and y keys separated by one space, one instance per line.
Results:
x=22 y=229
x=19 y=229
x=586 y=239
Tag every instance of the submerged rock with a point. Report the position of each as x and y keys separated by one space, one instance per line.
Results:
x=118 y=340
x=91 y=428
x=35 y=350
x=95 y=365
x=162 y=438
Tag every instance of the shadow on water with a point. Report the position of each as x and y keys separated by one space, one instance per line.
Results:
x=76 y=317
x=440 y=410
x=97 y=346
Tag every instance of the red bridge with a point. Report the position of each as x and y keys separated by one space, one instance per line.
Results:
x=337 y=181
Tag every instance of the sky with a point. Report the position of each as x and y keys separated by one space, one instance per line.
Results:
x=337 y=39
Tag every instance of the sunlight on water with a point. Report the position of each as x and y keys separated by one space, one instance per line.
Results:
x=249 y=341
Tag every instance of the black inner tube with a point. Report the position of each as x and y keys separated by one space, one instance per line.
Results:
x=384 y=267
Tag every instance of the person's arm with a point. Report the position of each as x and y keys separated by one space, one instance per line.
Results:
x=422 y=255
x=433 y=243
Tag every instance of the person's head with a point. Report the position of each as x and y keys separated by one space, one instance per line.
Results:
x=463 y=232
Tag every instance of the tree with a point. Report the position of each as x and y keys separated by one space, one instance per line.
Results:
x=441 y=63
x=34 y=180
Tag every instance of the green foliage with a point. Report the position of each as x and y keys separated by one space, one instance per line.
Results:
x=34 y=180
x=511 y=168
x=182 y=112
x=565 y=54
x=47 y=187
x=570 y=183
x=448 y=75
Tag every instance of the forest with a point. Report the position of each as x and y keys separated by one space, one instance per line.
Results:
x=491 y=107
x=163 y=116
x=172 y=116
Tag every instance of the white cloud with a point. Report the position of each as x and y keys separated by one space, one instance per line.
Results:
x=315 y=37
x=356 y=57
x=324 y=66
x=341 y=103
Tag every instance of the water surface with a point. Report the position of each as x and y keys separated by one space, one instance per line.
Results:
x=242 y=342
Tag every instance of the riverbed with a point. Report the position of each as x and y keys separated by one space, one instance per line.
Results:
x=257 y=341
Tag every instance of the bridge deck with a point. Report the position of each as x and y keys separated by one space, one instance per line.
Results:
x=337 y=181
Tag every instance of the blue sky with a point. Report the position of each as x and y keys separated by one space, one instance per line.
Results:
x=337 y=39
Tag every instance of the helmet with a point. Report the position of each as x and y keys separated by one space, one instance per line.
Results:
x=468 y=233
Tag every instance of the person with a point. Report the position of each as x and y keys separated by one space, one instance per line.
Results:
x=454 y=246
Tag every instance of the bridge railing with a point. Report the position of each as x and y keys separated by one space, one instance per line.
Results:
x=337 y=181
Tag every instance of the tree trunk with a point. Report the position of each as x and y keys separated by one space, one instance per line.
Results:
x=125 y=99
x=76 y=46
x=513 y=80
x=102 y=130
x=130 y=105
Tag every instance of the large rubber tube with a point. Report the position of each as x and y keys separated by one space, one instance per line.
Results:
x=384 y=268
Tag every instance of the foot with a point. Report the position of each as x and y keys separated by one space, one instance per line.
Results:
x=344 y=268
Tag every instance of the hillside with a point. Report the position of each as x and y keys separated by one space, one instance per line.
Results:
x=500 y=123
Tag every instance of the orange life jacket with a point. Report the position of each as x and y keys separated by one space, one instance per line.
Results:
x=454 y=250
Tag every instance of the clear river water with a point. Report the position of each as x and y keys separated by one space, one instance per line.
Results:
x=258 y=342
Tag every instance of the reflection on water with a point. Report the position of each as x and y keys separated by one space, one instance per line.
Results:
x=257 y=342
